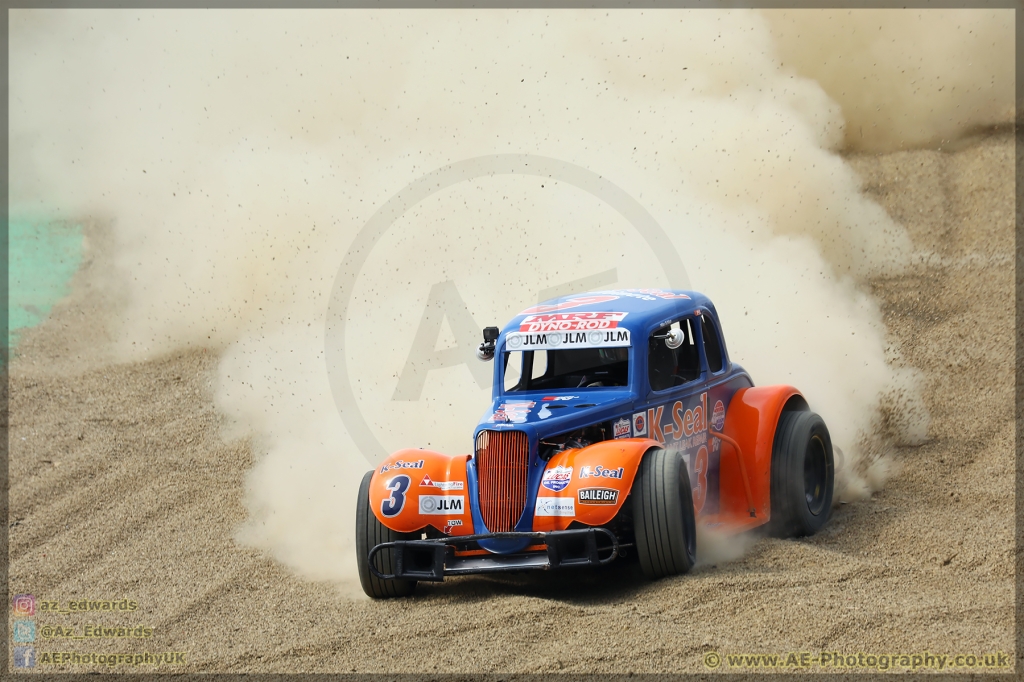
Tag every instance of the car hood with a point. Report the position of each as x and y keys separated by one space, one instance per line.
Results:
x=556 y=412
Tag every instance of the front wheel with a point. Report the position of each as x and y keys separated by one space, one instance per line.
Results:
x=369 y=533
x=802 y=475
x=663 y=517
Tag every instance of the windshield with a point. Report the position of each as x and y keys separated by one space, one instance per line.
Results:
x=536 y=370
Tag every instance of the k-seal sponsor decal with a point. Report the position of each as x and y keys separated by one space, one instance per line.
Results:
x=400 y=464
x=555 y=506
x=640 y=424
x=718 y=416
x=610 y=338
x=601 y=472
x=514 y=412
x=569 y=322
x=556 y=479
x=621 y=428
x=597 y=495
x=686 y=430
x=686 y=423
x=442 y=504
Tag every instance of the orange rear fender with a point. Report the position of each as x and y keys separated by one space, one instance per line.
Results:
x=600 y=477
x=750 y=422
x=413 y=489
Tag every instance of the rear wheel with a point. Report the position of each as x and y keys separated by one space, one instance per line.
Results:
x=369 y=533
x=803 y=475
x=663 y=517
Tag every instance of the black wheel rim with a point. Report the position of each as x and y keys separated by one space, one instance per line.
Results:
x=815 y=476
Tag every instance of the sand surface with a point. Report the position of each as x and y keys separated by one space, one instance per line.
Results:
x=121 y=486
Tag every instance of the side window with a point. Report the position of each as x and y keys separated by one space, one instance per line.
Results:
x=540 y=364
x=513 y=370
x=712 y=348
x=667 y=367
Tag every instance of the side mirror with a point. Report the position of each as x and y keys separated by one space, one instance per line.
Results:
x=485 y=351
x=675 y=338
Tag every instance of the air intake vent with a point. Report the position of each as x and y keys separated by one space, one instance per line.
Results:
x=502 y=463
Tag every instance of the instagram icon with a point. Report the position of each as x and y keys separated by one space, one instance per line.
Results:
x=24 y=605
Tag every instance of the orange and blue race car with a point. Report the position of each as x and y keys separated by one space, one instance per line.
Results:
x=618 y=424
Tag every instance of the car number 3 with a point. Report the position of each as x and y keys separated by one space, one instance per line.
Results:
x=393 y=504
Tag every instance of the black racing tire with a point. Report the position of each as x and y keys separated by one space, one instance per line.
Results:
x=664 y=527
x=369 y=533
x=802 y=475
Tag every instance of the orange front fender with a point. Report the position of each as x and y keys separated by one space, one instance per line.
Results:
x=750 y=421
x=413 y=489
x=602 y=475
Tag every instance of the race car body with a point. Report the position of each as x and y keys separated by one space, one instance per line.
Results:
x=618 y=422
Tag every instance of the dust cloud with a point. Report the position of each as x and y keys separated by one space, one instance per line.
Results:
x=236 y=155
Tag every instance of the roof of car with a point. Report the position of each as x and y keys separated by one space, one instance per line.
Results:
x=638 y=307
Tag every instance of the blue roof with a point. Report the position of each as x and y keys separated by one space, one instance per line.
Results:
x=638 y=309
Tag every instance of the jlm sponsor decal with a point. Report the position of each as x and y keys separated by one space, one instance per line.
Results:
x=597 y=495
x=601 y=472
x=441 y=504
x=611 y=338
x=555 y=506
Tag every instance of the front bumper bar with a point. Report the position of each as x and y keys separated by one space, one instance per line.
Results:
x=432 y=559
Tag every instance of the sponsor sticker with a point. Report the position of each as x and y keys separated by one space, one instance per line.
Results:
x=559 y=397
x=515 y=412
x=597 y=495
x=621 y=428
x=449 y=485
x=647 y=294
x=428 y=482
x=661 y=293
x=571 y=303
x=555 y=506
x=601 y=472
x=442 y=504
x=718 y=416
x=640 y=424
x=568 y=322
x=610 y=338
x=401 y=464
x=556 y=479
